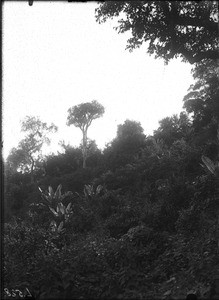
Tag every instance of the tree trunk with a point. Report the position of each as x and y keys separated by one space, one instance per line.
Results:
x=31 y=172
x=84 y=162
x=84 y=151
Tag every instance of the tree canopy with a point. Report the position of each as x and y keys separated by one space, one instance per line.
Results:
x=188 y=29
x=127 y=144
x=173 y=128
x=129 y=128
x=27 y=154
x=83 y=114
x=203 y=95
x=201 y=102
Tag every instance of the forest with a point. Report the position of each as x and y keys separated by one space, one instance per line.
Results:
x=138 y=219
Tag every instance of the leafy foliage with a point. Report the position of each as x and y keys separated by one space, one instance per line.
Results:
x=202 y=104
x=28 y=154
x=174 y=128
x=170 y=28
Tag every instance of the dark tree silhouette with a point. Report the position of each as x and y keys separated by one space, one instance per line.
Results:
x=173 y=128
x=126 y=146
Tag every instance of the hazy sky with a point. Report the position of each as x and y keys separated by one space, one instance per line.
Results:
x=55 y=55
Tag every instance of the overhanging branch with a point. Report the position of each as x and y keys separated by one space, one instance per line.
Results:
x=209 y=54
x=187 y=21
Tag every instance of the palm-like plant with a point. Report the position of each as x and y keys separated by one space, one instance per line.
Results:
x=53 y=201
x=51 y=198
x=213 y=167
x=61 y=211
x=90 y=192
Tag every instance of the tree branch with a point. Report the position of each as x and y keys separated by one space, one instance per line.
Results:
x=209 y=54
x=187 y=21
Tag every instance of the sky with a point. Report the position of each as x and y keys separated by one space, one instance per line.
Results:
x=55 y=55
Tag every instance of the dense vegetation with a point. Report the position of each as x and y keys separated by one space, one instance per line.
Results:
x=139 y=221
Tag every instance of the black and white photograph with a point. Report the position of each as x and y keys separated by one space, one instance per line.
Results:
x=110 y=150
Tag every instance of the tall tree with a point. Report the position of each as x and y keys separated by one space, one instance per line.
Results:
x=172 y=28
x=28 y=153
x=82 y=116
